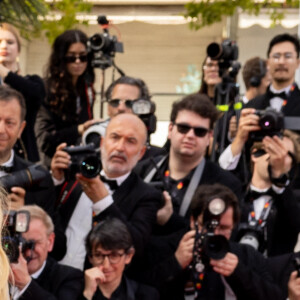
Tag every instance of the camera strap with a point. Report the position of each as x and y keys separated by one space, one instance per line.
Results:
x=194 y=182
x=89 y=99
x=65 y=192
x=263 y=216
x=191 y=188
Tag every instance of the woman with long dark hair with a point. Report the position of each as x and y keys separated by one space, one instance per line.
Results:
x=30 y=86
x=68 y=109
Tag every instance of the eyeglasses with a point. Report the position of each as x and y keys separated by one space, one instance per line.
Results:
x=185 y=128
x=113 y=257
x=116 y=102
x=286 y=56
x=73 y=58
x=211 y=65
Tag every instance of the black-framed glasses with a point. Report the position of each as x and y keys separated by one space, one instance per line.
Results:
x=116 y=102
x=113 y=257
x=72 y=58
x=185 y=128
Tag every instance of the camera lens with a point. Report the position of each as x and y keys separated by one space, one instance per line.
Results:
x=97 y=42
x=90 y=167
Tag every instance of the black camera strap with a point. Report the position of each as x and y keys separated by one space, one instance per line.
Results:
x=65 y=192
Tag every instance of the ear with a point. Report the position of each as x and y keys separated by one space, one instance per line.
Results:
x=51 y=239
x=171 y=125
x=129 y=255
x=22 y=126
x=142 y=152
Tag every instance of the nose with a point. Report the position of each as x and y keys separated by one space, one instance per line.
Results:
x=190 y=133
x=106 y=262
x=2 y=127
x=120 y=145
x=3 y=44
x=121 y=107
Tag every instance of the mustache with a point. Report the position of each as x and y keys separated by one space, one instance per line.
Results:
x=281 y=69
x=118 y=154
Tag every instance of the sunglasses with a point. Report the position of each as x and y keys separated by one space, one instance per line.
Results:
x=116 y=102
x=198 y=131
x=73 y=58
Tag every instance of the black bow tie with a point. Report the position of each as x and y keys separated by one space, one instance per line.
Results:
x=112 y=183
x=281 y=95
x=6 y=169
x=253 y=195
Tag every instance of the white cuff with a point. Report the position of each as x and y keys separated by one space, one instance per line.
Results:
x=103 y=204
x=227 y=161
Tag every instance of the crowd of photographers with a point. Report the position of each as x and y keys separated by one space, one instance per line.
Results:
x=214 y=214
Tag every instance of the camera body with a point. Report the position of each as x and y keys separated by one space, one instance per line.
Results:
x=17 y=222
x=84 y=160
x=252 y=235
x=226 y=54
x=102 y=47
x=271 y=123
x=29 y=178
x=208 y=244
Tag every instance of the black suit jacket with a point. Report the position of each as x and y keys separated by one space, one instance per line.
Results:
x=212 y=173
x=292 y=107
x=135 y=202
x=42 y=195
x=283 y=223
x=56 y=282
x=250 y=280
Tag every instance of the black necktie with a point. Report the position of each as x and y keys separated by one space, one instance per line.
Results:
x=112 y=183
x=6 y=169
x=281 y=95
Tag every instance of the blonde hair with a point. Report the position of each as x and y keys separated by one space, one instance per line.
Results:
x=4 y=263
x=14 y=31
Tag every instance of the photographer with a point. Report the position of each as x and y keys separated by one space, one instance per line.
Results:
x=117 y=192
x=36 y=275
x=110 y=250
x=239 y=272
x=12 y=113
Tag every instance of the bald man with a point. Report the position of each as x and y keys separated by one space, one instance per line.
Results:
x=127 y=198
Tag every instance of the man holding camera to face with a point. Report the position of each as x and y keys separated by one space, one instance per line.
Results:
x=117 y=192
x=205 y=265
x=37 y=276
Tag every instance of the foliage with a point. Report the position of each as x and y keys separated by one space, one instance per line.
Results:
x=190 y=81
x=67 y=9
x=206 y=12
x=23 y=14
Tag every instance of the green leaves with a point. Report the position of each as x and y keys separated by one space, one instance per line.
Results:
x=208 y=12
x=23 y=14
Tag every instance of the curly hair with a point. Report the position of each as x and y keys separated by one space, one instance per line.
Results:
x=61 y=92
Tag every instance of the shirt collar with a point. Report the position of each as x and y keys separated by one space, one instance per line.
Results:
x=286 y=89
x=119 y=180
x=36 y=274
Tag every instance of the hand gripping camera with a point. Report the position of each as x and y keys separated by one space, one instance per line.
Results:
x=84 y=160
x=16 y=223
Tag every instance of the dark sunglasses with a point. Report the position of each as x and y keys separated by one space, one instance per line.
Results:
x=73 y=58
x=198 y=131
x=116 y=102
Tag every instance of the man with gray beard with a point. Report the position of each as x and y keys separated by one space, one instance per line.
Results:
x=88 y=200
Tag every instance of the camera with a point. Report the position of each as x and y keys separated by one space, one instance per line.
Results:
x=271 y=123
x=94 y=133
x=16 y=223
x=252 y=235
x=102 y=47
x=226 y=53
x=84 y=160
x=207 y=244
x=28 y=178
